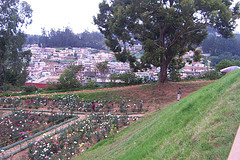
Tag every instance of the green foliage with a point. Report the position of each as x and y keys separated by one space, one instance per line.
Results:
x=7 y=87
x=128 y=78
x=68 y=78
x=215 y=45
x=66 y=38
x=174 y=69
x=102 y=68
x=32 y=39
x=227 y=63
x=53 y=86
x=220 y=48
x=114 y=77
x=167 y=29
x=212 y=75
x=7 y=94
x=30 y=88
x=113 y=132
x=226 y=55
x=92 y=40
x=190 y=78
x=91 y=85
x=235 y=62
x=197 y=56
x=13 y=61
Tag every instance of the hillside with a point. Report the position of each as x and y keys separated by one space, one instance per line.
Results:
x=201 y=126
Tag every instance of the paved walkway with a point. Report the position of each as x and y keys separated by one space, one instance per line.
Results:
x=235 y=151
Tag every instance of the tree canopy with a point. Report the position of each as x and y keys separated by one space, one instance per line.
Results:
x=215 y=45
x=220 y=48
x=102 y=68
x=227 y=63
x=66 y=38
x=13 y=61
x=68 y=80
x=166 y=28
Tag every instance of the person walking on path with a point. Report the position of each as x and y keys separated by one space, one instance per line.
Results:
x=179 y=94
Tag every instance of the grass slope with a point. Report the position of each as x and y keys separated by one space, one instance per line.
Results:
x=200 y=126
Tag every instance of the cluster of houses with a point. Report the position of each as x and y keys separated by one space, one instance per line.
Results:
x=47 y=64
x=195 y=68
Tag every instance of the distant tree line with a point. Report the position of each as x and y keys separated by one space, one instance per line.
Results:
x=66 y=38
x=220 y=48
x=227 y=63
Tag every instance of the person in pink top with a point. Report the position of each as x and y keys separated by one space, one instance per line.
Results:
x=93 y=106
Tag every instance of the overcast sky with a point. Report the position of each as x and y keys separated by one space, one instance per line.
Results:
x=77 y=14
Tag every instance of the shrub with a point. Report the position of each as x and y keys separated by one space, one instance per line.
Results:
x=130 y=78
x=7 y=94
x=91 y=84
x=68 y=79
x=212 y=75
x=53 y=86
x=7 y=87
x=190 y=77
x=30 y=88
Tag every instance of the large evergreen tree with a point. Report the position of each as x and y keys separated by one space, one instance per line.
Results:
x=166 y=28
x=13 y=61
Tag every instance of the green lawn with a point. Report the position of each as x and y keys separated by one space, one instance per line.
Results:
x=200 y=126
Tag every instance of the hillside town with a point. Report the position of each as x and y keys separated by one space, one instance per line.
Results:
x=47 y=64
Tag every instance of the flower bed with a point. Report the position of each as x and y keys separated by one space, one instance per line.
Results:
x=72 y=103
x=78 y=137
x=20 y=125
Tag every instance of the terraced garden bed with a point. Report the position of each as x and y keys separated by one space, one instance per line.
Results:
x=19 y=125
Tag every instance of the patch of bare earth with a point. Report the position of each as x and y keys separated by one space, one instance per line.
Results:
x=161 y=95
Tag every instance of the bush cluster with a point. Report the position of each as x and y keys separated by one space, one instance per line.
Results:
x=212 y=75
x=30 y=88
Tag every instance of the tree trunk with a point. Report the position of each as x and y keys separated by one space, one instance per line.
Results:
x=163 y=71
